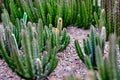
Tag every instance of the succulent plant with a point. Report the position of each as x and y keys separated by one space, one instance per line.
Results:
x=89 y=55
x=107 y=67
x=31 y=62
x=73 y=12
x=61 y=39
x=109 y=17
x=31 y=47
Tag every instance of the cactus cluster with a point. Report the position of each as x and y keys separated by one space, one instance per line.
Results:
x=89 y=55
x=30 y=48
x=109 y=17
x=59 y=34
x=29 y=62
x=107 y=67
x=73 y=12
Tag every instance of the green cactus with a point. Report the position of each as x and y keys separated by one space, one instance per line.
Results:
x=107 y=67
x=109 y=17
x=62 y=39
x=29 y=63
x=16 y=29
x=100 y=20
x=27 y=9
x=73 y=12
x=88 y=57
x=39 y=46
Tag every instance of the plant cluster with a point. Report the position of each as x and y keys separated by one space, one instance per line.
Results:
x=110 y=17
x=59 y=34
x=107 y=67
x=29 y=48
x=73 y=12
x=89 y=55
x=30 y=62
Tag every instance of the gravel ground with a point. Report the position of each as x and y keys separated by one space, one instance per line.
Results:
x=69 y=63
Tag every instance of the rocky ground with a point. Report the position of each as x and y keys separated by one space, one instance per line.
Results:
x=69 y=63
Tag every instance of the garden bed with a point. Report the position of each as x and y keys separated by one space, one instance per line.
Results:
x=69 y=62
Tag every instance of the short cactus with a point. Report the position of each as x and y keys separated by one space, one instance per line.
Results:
x=31 y=62
x=39 y=45
x=107 y=67
x=62 y=39
x=89 y=47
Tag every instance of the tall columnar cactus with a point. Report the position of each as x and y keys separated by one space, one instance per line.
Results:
x=62 y=39
x=73 y=12
x=107 y=67
x=16 y=29
x=31 y=62
x=85 y=11
x=117 y=20
x=89 y=55
x=100 y=20
x=109 y=17
x=39 y=45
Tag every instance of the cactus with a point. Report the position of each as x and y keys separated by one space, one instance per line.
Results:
x=88 y=57
x=85 y=12
x=73 y=12
x=39 y=46
x=16 y=29
x=109 y=17
x=107 y=67
x=62 y=39
x=100 y=20
x=34 y=62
